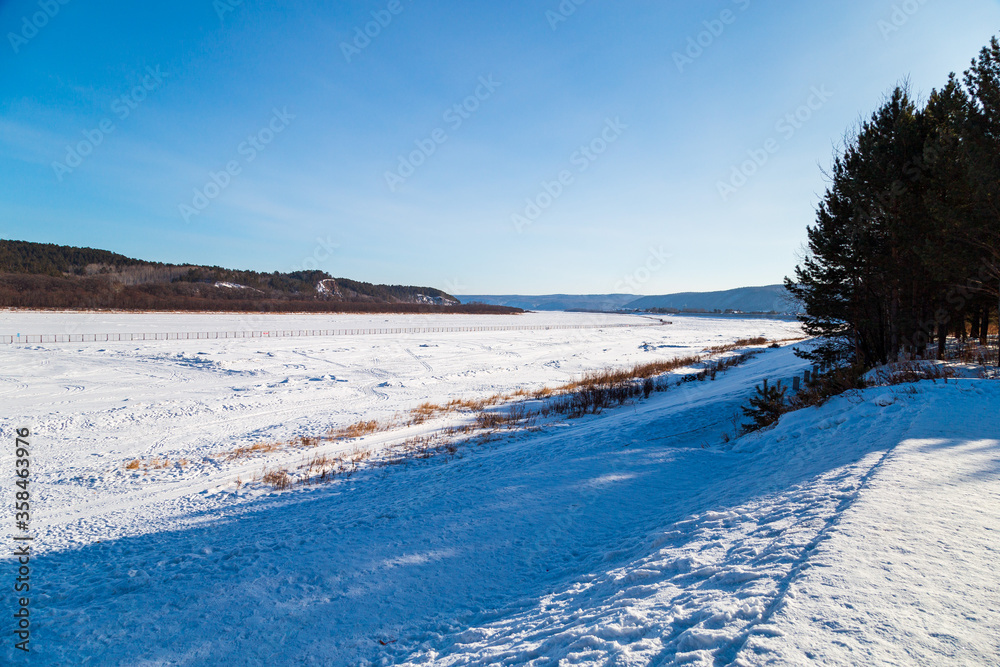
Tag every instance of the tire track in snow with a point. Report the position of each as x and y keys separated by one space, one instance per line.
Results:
x=419 y=360
x=320 y=359
x=379 y=376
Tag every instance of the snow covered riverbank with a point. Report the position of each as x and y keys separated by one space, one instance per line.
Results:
x=862 y=532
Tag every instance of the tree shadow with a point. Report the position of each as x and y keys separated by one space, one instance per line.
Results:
x=407 y=558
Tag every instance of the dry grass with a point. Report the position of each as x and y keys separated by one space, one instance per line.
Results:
x=252 y=450
x=349 y=432
x=972 y=352
x=358 y=430
x=318 y=469
x=610 y=377
x=419 y=447
x=517 y=416
x=911 y=371
x=741 y=343
x=590 y=394
x=279 y=479
x=155 y=463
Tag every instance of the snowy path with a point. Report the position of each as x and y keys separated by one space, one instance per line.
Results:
x=909 y=576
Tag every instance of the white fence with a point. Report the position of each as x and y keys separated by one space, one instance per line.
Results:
x=295 y=333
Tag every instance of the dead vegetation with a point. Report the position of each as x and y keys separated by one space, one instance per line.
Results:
x=842 y=381
x=737 y=344
x=278 y=479
x=973 y=352
x=252 y=450
x=350 y=432
x=911 y=371
x=155 y=463
x=591 y=394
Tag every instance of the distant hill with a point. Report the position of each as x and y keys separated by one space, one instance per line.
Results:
x=44 y=275
x=766 y=299
x=556 y=301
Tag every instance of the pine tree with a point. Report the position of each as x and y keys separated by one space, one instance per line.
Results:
x=766 y=407
x=983 y=138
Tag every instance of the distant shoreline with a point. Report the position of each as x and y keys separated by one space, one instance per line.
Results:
x=378 y=309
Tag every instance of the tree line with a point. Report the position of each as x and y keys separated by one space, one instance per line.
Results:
x=65 y=293
x=905 y=249
x=45 y=275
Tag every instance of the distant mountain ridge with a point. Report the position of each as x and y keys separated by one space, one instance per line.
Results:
x=45 y=275
x=555 y=301
x=764 y=299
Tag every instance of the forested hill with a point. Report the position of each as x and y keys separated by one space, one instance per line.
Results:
x=43 y=275
x=56 y=260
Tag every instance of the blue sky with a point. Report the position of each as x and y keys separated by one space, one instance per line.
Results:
x=322 y=142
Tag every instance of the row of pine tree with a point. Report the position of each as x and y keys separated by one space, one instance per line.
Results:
x=905 y=250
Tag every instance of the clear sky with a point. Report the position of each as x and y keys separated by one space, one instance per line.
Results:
x=585 y=153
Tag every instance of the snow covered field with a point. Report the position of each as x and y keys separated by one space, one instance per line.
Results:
x=863 y=532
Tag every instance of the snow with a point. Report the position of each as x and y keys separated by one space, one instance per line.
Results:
x=322 y=287
x=861 y=532
x=915 y=555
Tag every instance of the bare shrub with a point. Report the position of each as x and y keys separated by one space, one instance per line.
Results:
x=360 y=429
x=737 y=344
x=278 y=479
x=911 y=371
x=252 y=450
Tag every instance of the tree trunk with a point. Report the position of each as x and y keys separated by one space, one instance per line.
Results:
x=894 y=345
x=984 y=327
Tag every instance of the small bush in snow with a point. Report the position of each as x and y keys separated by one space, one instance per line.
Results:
x=766 y=407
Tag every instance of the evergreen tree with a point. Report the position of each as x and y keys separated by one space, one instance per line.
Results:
x=905 y=248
